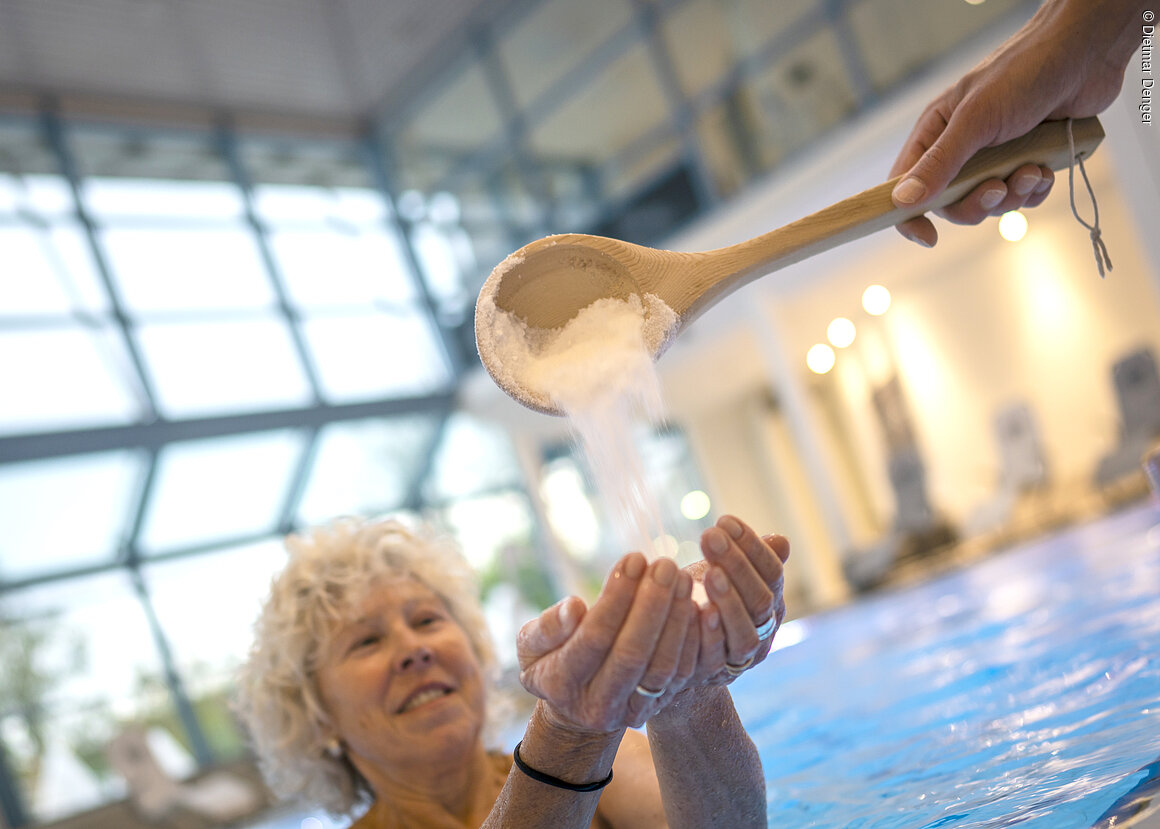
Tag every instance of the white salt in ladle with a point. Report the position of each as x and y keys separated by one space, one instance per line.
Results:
x=549 y=281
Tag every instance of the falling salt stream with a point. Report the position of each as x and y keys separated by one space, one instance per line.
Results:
x=598 y=370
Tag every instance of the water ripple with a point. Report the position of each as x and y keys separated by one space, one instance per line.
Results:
x=1023 y=692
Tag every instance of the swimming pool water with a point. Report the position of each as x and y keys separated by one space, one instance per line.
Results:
x=1024 y=691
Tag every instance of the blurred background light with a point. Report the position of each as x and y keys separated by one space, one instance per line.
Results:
x=1013 y=226
x=840 y=332
x=695 y=505
x=820 y=358
x=876 y=300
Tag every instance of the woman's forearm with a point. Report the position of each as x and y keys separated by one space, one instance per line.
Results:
x=561 y=752
x=707 y=766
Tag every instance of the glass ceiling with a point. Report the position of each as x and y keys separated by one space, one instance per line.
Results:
x=208 y=339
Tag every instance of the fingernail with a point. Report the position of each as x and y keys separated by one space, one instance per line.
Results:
x=1025 y=184
x=713 y=619
x=918 y=240
x=908 y=191
x=685 y=585
x=664 y=571
x=717 y=541
x=730 y=525
x=634 y=566
x=991 y=197
x=719 y=580
x=565 y=615
x=1043 y=186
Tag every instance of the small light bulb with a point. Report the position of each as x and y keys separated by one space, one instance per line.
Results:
x=841 y=332
x=820 y=358
x=1013 y=226
x=876 y=300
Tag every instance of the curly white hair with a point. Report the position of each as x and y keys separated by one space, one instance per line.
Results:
x=329 y=569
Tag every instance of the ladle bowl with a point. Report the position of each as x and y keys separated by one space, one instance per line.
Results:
x=548 y=282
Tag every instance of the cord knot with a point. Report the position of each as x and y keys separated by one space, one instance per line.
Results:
x=1099 y=249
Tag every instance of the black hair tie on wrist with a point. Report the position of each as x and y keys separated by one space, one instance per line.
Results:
x=549 y=780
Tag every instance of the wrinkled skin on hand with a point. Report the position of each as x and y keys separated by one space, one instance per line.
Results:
x=645 y=629
x=586 y=662
x=743 y=577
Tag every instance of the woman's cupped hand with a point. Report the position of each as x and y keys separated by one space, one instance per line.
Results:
x=645 y=640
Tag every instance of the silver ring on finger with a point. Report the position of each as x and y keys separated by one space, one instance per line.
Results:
x=648 y=692
x=738 y=670
x=766 y=628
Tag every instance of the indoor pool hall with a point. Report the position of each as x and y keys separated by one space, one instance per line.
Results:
x=700 y=414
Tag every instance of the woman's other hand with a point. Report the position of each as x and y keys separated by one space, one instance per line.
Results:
x=742 y=573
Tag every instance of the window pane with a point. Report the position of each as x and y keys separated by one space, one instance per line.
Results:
x=305 y=167
x=28 y=168
x=485 y=526
x=48 y=269
x=376 y=355
x=896 y=37
x=338 y=206
x=366 y=468
x=211 y=490
x=153 y=199
x=725 y=134
x=79 y=664
x=632 y=173
x=208 y=647
x=754 y=24
x=325 y=266
x=456 y=119
x=212 y=367
x=554 y=39
x=699 y=43
x=602 y=120
x=329 y=227
x=187 y=269
x=473 y=457
x=446 y=254
x=64 y=513
x=65 y=377
x=134 y=175
x=802 y=94
x=46 y=195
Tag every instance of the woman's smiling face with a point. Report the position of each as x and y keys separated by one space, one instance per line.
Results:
x=401 y=681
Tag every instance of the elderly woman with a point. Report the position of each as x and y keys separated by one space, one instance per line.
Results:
x=367 y=687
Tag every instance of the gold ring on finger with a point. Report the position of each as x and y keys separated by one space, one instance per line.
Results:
x=647 y=692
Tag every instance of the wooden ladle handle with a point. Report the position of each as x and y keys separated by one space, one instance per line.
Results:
x=726 y=269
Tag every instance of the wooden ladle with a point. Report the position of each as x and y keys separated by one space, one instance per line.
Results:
x=548 y=282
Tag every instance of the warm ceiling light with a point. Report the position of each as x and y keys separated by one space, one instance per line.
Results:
x=840 y=332
x=876 y=299
x=1013 y=226
x=820 y=358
